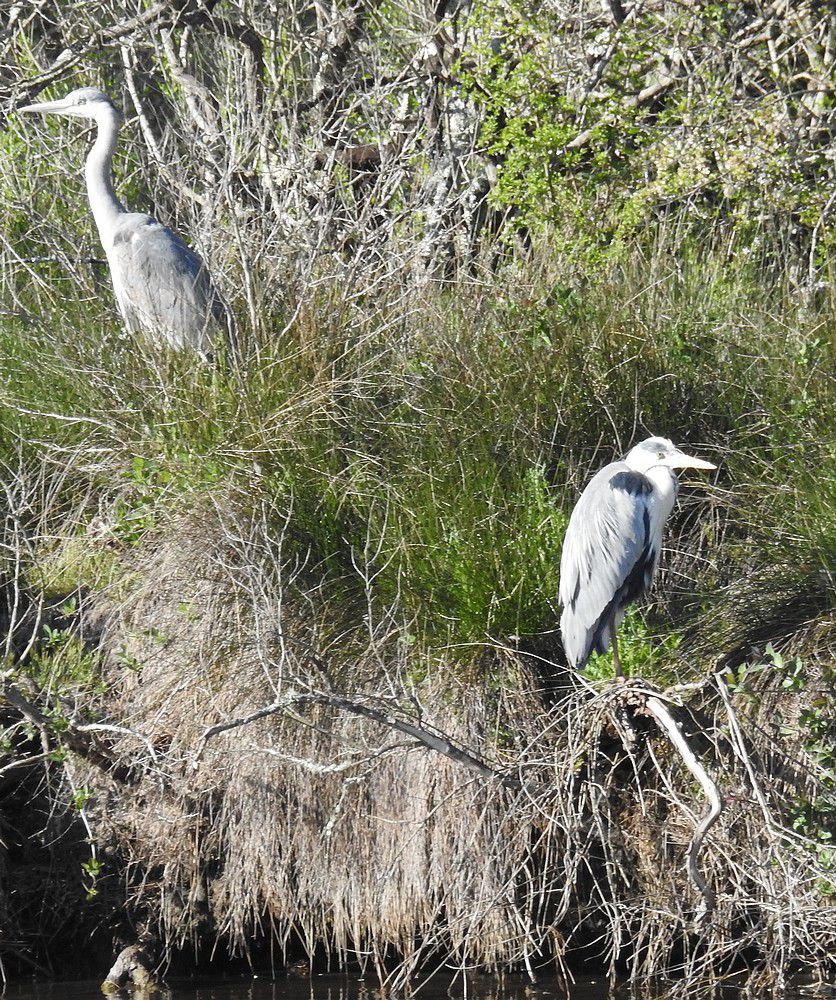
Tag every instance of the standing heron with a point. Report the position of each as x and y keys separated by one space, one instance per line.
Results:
x=162 y=287
x=612 y=545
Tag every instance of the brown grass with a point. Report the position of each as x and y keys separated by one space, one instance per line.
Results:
x=319 y=827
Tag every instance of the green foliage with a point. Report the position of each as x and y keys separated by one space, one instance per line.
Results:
x=81 y=797
x=812 y=727
x=642 y=653
x=439 y=478
x=814 y=815
x=92 y=868
x=76 y=561
x=136 y=510
x=62 y=662
x=480 y=555
x=600 y=132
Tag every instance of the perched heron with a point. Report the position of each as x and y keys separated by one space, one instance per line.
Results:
x=162 y=287
x=612 y=545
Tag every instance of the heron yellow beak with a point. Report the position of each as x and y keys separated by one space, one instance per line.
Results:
x=679 y=460
x=58 y=107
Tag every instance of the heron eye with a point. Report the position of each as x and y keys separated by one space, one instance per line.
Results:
x=660 y=454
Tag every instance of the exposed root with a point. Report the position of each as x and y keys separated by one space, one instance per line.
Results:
x=668 y=724
x=134 y=966
x=631 y=698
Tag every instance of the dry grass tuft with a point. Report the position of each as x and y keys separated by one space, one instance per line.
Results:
x=315 y=825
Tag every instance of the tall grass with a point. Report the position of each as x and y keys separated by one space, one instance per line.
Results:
x=372 y=505
x=427 y=443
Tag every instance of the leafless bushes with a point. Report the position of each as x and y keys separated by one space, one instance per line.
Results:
x=294 y=140
x=276 y=135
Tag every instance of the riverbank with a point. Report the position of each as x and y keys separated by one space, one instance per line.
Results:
x=282 y=653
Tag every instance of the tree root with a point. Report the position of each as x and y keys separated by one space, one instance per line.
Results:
x=134 y=965
x=666 y=722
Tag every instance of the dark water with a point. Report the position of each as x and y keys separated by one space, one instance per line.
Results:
x=327 y=987
x=317 y=988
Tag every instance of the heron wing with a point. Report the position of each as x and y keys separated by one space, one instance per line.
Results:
x=608 y=557
x=162 y=286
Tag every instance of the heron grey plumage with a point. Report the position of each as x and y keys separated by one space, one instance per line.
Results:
x=162 y=286
x=612 y=544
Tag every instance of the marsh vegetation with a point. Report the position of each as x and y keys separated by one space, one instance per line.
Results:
x=281 y=661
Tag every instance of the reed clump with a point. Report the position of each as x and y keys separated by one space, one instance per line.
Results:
x=309 y=821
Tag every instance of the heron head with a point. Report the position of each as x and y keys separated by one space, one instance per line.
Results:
x=86 y=102
x=656 y=451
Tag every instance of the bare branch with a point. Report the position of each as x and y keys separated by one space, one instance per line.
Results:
x=433 y=741
x=712 y=793
x=68 y=735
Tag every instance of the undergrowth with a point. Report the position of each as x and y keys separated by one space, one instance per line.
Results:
x=374 y=504
x=438 y=453
x=578 y=234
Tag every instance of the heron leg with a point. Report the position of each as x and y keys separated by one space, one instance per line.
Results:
x=616 y=660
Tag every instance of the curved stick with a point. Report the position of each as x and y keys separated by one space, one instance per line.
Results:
x=667 y=722
x=441 y=744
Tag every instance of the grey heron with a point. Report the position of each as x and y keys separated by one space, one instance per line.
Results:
x=162 y=286
x=612 y=544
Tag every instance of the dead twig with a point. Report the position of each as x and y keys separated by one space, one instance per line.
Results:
x=441 y=744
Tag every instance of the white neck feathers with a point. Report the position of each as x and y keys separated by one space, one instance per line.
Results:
x=665 y=486
x=103 y=201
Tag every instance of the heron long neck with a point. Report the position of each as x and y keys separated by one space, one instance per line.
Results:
x=666 y=486
x=103 y=201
